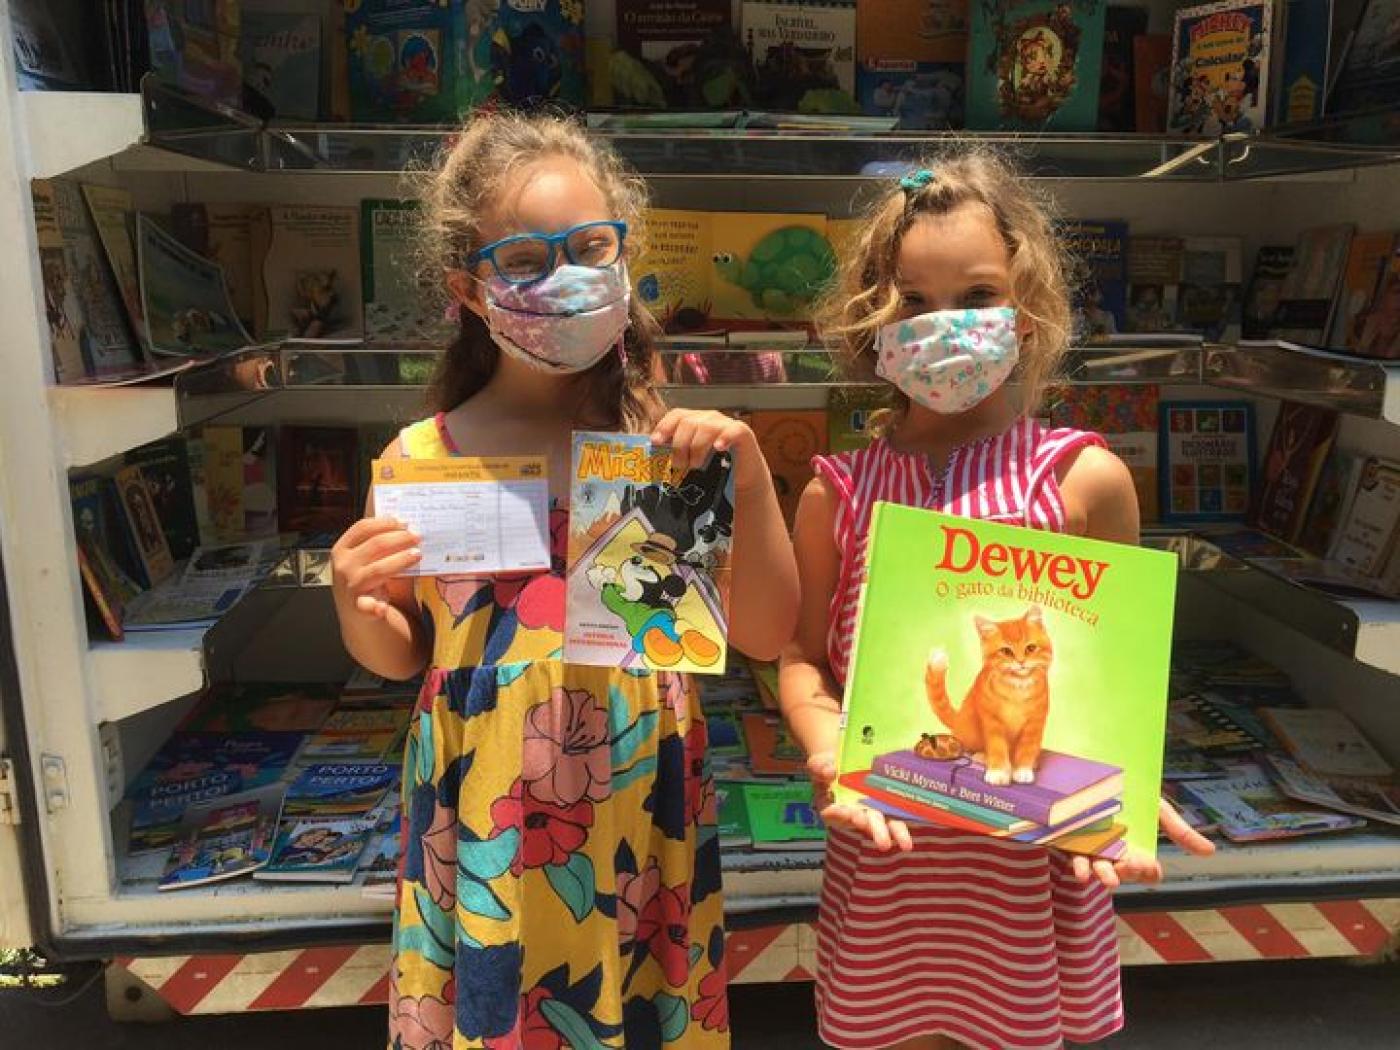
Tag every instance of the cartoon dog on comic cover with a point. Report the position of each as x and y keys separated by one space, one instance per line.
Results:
x=643 y=591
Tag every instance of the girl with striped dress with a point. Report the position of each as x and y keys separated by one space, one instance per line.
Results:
x=929 y=937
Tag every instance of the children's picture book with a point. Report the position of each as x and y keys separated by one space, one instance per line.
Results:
x=140 y=514
x=803 y=54
x=223 y=841
x=280 y=52
x=355 y=735
x=295 y=707
x=673 y=55
x=789 y=440
x=1210 y=298
x=166 y=467
x=1221 y=61
x=308 y=272
x=781 y=816
x=1370 y=74
x=63 y=311
x=767 y=270
x=223 y=234
x=1126 y=416
x=916 y=96
x=1288 y=475
x=1248 y=808
x=1152 y=74
x=1378 y=333
x=1367 y=258
x=1309 y=295
x=536 y=49
x=1305 y=31
x=1325 y=742
x=849 y=415
x=418 y=61
x=338 y=790
x=184 y=300
x=1154 y=282
x=317 y=851
x=1020 y=690
x=1271 y=267
x=1372 y=521
x=113 y=215
x=379 y=864
x=1117 y=108
x=194 y=47
x=773 y=750
x=398 y=306
x=1206 y=460
x=1099 y=248
x=1035 y=65
x=1331 y=500
x=649 y=557
x=240 y=481
x=316 y=479
x=1371 y=800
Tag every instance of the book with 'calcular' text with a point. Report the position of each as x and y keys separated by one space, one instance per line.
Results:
x=1009 y=682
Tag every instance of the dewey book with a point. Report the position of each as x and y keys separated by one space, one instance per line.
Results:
x=1009 y=682
x=649 y=557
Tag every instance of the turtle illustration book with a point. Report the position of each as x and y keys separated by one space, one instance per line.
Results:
x=649 y=557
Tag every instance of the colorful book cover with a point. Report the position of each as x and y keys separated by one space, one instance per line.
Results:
x=1035 y=65
x=338 y=790
x=803 y=55
x=1379 y=323
x=1126 y=417
x=105 y=596
x=1154 y=282
x=224 y=841
x=917 y=96
x=1117 y=105
x=1372 y=522
x=767 y=269
x=1335 y=487
x=99 y=522
x=649 y=557
x=1309 y=295
x=733 y=822
x=1210 y=298
x=773 y=750
x=62 y=308
x=1302 y=78
x=240 y=481
x=166 y=468
x=317 y=851
x=1370 y=76
x=295 y=707
x=1100 y=248
x=672 y=276
x=1271 y=267
x=537 y=50
x=308 y=272
x=1248 y=808
x=141 y=520
x=379 y=865
x=355 y=735
x=849 y=413
x=113 y=214
x=1325 y=742
x=1366 y=262
x=280 y=51
x=184 y=300
x=1288 y=475
x=1152 y=75
x=316 y=479
x=397 y=305
x=781 y=816
x=223 y=234
x=1221 y=60
x=674 y=55
x=789 y=440
x=1064 y=641
x=195 y=47
x=412 y=61
x=1206 y=460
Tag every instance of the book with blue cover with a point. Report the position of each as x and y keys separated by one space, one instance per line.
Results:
x=1207 y=460
x=333 y=790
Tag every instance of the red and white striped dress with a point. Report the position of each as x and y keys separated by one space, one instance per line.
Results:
x=992 y=943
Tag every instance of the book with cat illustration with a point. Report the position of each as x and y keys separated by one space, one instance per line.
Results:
x=1015 y=685
x=649 y=557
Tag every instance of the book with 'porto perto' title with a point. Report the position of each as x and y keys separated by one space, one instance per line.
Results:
x=1010 y=682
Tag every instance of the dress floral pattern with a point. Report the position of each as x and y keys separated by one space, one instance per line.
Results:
x=560 y=881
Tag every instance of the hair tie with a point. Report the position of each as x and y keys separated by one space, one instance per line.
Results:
x=916 y=180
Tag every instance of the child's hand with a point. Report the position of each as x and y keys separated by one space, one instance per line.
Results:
x=370 y=554
x=869 y=822
x=693 y=435
x=1137 y=866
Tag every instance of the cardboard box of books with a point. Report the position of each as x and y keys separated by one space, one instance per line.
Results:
x=1009 y=682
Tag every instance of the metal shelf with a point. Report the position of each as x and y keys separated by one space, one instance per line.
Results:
x=1352 y=385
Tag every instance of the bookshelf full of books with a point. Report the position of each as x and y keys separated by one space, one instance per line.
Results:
x=215 y=325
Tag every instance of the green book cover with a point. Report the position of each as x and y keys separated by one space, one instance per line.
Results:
x=733 y=814
x=1020 y=671
x=782 y=813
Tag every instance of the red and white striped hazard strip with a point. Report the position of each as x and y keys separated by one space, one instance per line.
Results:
x=349 y=976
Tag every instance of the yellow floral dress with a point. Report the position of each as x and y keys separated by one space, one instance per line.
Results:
x=560 y=879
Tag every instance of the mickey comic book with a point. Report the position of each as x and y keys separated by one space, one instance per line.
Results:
x=649 y=557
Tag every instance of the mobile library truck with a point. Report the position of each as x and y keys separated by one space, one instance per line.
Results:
x=104 y=688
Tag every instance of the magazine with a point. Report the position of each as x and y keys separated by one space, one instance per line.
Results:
x=1249 y=808
x=1065 y=640
x=1371 y=799
x=317 y=851
x=184 y=301
x=213 y=581
x=649 y=557
x=112 y=210
x=224 y=841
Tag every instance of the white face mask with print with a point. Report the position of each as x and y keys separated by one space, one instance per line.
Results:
x=949 y=361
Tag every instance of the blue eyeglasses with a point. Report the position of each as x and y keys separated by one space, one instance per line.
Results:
x=528 y=257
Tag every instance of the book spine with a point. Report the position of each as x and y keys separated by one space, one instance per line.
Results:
x=1022 y=801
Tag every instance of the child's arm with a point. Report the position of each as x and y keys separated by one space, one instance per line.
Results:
x=1097 y=485
x=808 y=692
x=378 y=614
x=763 y=604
